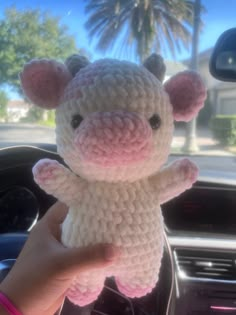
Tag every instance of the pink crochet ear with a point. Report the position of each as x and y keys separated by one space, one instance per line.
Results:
x=187 y=94
x=43 y=82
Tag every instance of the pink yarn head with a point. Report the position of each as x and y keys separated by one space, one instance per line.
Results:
x=114 y=119
x=114 y=122
x=114 y=139
x=44 y=81
x=187 y=95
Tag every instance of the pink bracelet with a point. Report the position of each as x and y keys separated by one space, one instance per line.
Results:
x=7 y=304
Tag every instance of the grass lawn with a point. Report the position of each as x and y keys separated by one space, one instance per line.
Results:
x=48 y=123
x=231 y=149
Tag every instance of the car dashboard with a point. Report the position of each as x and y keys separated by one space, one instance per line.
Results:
x=200 y=237
x=201 y=232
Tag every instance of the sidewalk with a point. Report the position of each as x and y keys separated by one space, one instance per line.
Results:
x=215 y=163
x=207 y=145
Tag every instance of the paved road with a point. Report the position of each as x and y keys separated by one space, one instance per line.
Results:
x=25 y=133
x=209 y=161
x=29 y=133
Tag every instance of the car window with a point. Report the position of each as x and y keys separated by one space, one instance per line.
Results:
x=121 y=29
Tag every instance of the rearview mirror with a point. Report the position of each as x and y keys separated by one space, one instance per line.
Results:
x=223 y=60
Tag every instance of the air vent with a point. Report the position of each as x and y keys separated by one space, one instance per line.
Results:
x=205 y=265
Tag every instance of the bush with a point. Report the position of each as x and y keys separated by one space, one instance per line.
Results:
x=3 y=105
x=34 y=114
x=40 y=116
x=224 y=129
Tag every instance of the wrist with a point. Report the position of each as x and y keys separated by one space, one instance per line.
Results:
x=11 y=292
x=7 y=306
x=3 y=311
x=21 y=303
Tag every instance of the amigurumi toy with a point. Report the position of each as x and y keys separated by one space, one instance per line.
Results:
x=114 y=125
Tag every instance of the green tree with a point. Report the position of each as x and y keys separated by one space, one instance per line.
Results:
x=3 y=105
x=144 y=25
x=25 y=35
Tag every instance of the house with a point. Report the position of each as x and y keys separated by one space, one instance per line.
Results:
x=17 y=109
x=221 y=95
x=173 y=67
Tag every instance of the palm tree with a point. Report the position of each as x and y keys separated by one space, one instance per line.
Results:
x=141 y=25
x=190 y=145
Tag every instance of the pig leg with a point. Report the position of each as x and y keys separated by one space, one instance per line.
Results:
x=139 y=283
x=86 y=288
x=141 y=276
x=133 y=287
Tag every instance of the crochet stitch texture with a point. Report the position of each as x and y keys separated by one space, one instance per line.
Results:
x=114 y=126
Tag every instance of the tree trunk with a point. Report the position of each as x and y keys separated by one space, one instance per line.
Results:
x=45 y=115
x=190 y=145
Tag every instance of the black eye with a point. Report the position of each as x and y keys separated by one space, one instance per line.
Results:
x=76 y=120
x=155 y=122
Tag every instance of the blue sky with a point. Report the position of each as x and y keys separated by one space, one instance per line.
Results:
x=220 y=15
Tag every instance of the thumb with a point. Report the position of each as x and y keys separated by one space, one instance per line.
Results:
x=75 y=260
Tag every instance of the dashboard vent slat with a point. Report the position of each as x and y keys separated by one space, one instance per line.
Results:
x=205 y=264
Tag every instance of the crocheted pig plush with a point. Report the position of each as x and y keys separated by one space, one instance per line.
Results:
x=114 y=125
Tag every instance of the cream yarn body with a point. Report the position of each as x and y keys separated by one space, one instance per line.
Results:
x=114 y=127
x=128 y=216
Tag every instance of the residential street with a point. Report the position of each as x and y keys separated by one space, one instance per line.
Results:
x=30 y=133
x=25 y=133
x=210 y=158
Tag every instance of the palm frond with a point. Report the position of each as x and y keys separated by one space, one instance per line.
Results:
x=140 y=25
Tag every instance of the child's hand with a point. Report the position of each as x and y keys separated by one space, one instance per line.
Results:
x=43 y=272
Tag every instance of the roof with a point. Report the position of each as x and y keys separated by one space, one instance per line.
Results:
x=172 y=67
x=202 y=56
x=18 y=104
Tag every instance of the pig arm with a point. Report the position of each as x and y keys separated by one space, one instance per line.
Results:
x=174 y=179
x=59 y=181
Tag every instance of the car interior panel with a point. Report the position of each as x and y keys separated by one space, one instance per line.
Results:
x=198 y=267
x=198 y=271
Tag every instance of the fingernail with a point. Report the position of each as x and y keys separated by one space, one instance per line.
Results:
x=110 y=252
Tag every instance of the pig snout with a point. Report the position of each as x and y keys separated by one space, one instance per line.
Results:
x=114 y=138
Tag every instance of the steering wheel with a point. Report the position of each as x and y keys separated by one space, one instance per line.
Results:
x=11 y=245
x=18 y=162
x=110 y=300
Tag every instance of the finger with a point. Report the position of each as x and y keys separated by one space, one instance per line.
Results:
x=56 y=214
x=77 y=260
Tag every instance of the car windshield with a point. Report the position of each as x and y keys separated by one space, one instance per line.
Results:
x=183 y=32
